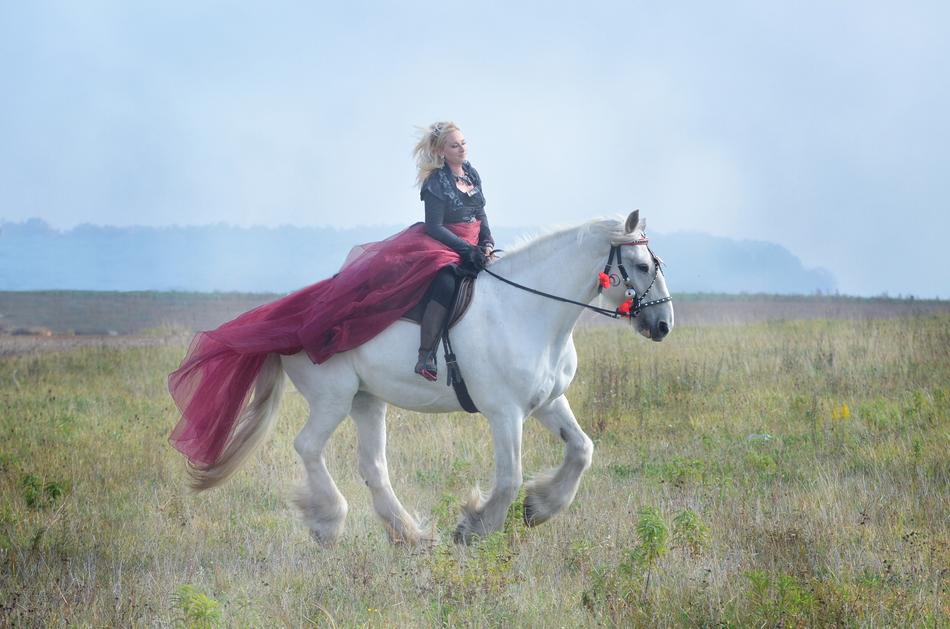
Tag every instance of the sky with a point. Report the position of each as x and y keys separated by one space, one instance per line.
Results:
x=820 y=126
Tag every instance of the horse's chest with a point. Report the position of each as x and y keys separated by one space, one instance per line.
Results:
x=556 y=377
x=563 y=377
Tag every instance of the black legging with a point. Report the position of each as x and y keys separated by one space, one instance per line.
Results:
x=442 y=288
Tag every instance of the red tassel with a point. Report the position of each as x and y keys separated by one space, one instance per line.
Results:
x=604 y=280
x=625 y=307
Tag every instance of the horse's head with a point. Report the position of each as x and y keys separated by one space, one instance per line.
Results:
x=637 y=283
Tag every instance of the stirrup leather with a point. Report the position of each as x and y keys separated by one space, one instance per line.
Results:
x=427 y=365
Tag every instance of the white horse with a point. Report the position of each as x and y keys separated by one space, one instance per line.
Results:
x=516 y=352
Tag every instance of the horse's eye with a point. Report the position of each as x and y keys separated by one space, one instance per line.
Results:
x=643 y=267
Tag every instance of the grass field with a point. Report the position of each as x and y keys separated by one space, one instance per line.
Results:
x=783 y=473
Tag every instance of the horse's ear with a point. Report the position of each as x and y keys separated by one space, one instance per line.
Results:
x=632 y=221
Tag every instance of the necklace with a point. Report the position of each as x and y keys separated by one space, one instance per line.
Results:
x=464 y=179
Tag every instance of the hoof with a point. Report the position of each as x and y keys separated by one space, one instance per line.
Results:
x=529 y=512
x=461 y=536
x=428 y=541
x=325 y=541
x=464 y=535
x=535 y=511
x=422 y=539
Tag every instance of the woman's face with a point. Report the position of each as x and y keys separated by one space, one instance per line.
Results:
x=455 y=150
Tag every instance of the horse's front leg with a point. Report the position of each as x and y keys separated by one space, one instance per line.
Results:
x=549 y=493
x=483 y=516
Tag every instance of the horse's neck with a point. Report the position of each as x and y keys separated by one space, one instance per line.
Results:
x=563 y=264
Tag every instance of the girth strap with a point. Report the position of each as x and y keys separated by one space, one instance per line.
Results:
x=454 y=375
x=463 y=293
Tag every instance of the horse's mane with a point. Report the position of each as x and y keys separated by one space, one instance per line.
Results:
x=539 y=245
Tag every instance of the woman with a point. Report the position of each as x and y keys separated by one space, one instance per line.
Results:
x=452 y=192
x=379 y=283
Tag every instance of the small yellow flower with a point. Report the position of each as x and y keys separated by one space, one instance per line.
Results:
x=840 y=412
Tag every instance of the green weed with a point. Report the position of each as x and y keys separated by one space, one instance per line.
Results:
x=779 y=601
x=620 y=594
x=40 y=495
x=196 y=610
x=690 y=532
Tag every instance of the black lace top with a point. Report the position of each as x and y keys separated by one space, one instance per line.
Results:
x=445 y=203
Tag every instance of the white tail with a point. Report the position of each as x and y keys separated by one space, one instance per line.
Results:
x=253 y=426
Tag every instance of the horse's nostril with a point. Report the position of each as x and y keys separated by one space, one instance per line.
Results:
x=663 y=327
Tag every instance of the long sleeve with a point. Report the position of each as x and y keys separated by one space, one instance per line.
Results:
x=435 y=227
x=484 y=232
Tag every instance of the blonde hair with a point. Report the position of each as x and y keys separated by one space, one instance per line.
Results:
x=427 y=149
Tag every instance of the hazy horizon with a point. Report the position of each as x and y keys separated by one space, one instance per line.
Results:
x=820 y=128
x=36 y=256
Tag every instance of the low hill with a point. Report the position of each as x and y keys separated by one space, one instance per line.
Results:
x=34 y=256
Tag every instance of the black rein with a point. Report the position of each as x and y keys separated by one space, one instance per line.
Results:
x=638 y=304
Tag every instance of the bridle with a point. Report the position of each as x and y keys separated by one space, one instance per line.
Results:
x=634 y=303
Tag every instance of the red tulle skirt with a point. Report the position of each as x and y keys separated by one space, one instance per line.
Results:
x=378 y=284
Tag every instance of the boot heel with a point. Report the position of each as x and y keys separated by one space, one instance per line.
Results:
x=426 y=366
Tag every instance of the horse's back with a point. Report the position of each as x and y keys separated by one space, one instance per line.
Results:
x=501 y=362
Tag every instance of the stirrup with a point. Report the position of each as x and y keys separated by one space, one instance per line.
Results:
x=427 y=366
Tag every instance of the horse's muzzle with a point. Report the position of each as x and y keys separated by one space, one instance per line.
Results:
x=655 y=332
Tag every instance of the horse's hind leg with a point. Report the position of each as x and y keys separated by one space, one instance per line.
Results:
x=550 y=493
x=369 y=413
x=324 y=507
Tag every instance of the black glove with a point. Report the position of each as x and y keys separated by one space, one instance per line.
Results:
x=474 y=259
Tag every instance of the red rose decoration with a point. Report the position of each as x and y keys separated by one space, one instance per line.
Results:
x=604 y=280
x=625 y=307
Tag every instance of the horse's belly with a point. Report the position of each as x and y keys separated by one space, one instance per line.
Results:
x=422 y=396
x=385 y=369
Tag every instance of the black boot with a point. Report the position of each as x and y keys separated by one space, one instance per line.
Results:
x=433 y=322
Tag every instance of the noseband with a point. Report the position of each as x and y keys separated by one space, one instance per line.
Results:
x=629 y=308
